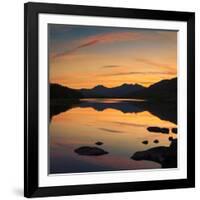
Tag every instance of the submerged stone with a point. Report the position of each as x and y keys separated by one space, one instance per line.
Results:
x=90 y=151
x=145 y=142
x=156 y=141
x=174 y=130
x=166 y=156
x=99 y=143
x=157 y=129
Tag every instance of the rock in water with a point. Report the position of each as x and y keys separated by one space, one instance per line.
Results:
x=90 y=151
x=154 y=154
x=145 y=142
x=173 y=145
x=166 y=156
x=157 y=129
x=99 y=143
x=164 y=130
x=156 y=141
x=174 y=130
x=153 y=129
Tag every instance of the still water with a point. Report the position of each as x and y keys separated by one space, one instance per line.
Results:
x=121 y=125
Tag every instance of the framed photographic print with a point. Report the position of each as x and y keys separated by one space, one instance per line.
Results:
x=109 y=99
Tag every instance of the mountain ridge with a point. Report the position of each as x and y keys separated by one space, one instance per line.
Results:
x=99 y=91
x=164 y=89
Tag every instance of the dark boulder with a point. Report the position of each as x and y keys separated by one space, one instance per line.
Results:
x=90 y=151
x=164 y=130
x=156 y=141
x=174 y=130
x=153 y=129
x=158 y=129
x=166 y=156
x=173 y=145
x=145 y=142
x=99 y=143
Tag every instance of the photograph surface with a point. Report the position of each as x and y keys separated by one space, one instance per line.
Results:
x=112 y=98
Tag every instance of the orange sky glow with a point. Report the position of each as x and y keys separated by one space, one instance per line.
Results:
x=86 y=56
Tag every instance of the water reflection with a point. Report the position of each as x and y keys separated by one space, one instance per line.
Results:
x=119 y=124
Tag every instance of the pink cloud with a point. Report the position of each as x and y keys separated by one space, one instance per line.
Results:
x=113 y=37
x=100 y=39
x=153 y=63
x=89 y=43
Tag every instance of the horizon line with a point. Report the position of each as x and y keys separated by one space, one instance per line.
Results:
x=114 y=86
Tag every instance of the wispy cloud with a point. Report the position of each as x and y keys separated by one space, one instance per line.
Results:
x=102 y=38
x=153 y=63
x=71 y=51
x=138 y=73
x=86 y=44
x=111 y=66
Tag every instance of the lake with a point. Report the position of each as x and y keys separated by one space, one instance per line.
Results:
x=119 y=124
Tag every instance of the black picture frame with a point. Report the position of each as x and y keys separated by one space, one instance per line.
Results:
x=31 y=12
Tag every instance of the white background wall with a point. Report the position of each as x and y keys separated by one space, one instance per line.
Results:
x=11 y=100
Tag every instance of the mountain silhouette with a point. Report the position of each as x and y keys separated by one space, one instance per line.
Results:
x=101 y=91
x=160 y=99
x=165 y=90
x=162 y=90
x=60 y=92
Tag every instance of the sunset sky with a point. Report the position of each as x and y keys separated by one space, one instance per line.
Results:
x=86 y=56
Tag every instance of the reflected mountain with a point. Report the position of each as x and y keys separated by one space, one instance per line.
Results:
x=124 y=106
x=165 y=111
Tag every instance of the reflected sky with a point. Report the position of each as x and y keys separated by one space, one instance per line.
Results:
x=121 y=133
